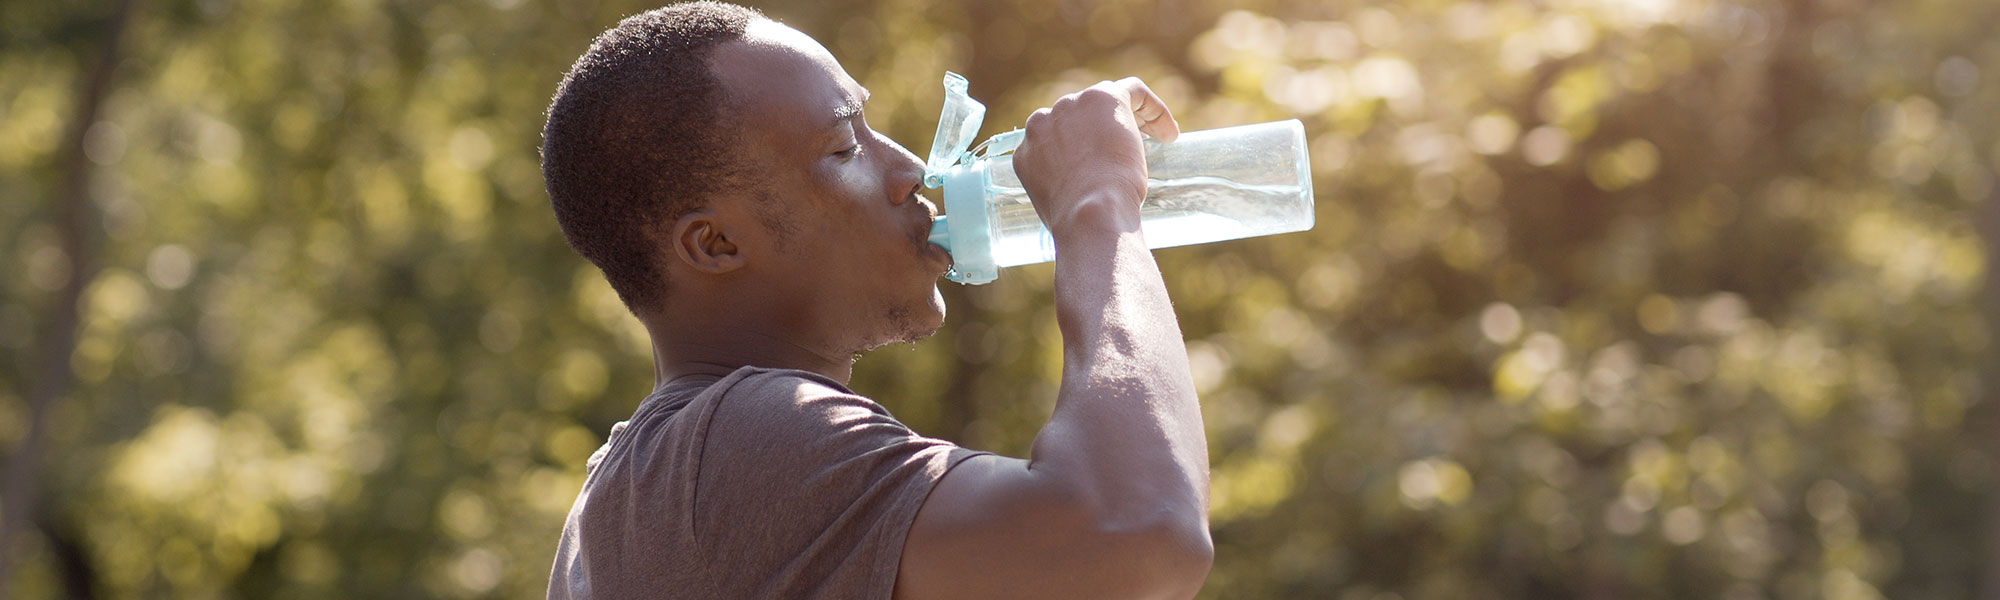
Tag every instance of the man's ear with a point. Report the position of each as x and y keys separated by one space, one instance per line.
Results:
x=700 y=242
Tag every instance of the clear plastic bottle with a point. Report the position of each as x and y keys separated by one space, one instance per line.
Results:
x=1206 y=186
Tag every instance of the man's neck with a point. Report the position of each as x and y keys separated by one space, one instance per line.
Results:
x=683 y=349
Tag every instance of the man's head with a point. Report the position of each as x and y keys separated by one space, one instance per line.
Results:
x=634 y=139
x=717 y=166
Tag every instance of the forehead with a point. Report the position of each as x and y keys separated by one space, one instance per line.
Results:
x=780 y=81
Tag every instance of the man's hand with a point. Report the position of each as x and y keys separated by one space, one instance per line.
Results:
x=1081 y=161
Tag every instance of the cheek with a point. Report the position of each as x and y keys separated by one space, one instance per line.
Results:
x=860 y=210
x=857 y=181
x=842 y=176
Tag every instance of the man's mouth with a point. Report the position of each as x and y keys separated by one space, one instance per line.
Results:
x=920 y=234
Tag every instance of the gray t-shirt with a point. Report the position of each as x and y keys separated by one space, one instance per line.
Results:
x=767 y=483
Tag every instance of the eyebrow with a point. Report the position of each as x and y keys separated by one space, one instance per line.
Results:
x=849 y=110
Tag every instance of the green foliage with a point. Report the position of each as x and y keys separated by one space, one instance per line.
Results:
x=1608 y=298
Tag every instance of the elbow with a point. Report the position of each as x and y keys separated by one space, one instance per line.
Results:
x=1155 y=548
x=1170 y=554
x=1200 y=551
x=1190 y=554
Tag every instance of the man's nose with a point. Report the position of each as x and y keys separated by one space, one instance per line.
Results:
x=906 y=170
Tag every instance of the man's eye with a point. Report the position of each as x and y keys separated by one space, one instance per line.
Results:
x=849 y=152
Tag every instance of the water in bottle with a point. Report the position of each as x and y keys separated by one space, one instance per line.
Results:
x=1206 y=186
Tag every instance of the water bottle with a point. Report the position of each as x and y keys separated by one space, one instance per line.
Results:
x=1205 y=186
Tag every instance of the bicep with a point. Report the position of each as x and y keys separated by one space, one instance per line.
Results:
x=993 y=528
x=976 y=536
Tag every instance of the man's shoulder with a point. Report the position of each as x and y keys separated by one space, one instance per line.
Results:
x=779 y=382
x=775 y=399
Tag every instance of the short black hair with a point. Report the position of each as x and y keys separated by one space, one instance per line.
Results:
x=634 y=140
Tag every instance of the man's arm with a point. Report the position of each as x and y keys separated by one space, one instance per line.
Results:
x=1113 y=502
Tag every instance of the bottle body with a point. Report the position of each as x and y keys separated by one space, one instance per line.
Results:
x=1206 y=186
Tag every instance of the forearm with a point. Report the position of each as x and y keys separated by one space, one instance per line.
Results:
x=1127 y=430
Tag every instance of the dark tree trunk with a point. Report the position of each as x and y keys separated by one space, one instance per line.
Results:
x=77 y=226
x=1984 y=424
x=72 y=560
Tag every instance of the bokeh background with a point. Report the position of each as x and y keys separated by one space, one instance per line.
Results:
x=1607 y=298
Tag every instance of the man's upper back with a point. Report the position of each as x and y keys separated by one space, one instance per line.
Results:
x=766 y=483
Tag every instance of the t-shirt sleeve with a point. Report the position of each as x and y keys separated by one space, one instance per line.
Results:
x=806 y=490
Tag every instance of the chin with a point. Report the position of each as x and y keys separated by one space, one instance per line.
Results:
x=924 y=321
x=916 y=320
x=932 y=319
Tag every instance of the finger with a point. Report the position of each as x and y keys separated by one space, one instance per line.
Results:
x=1154 y=118
x=1035 y=119
x=1035 y=127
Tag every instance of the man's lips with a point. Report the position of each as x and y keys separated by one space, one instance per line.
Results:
x=938 y=255
x=920 y=234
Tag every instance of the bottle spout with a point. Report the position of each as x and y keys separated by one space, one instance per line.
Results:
x=940 y=233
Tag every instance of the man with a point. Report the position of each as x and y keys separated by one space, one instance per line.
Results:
x=717 y=167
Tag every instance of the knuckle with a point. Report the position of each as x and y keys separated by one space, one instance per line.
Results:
x=1097 y=93
x=1037 y=119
